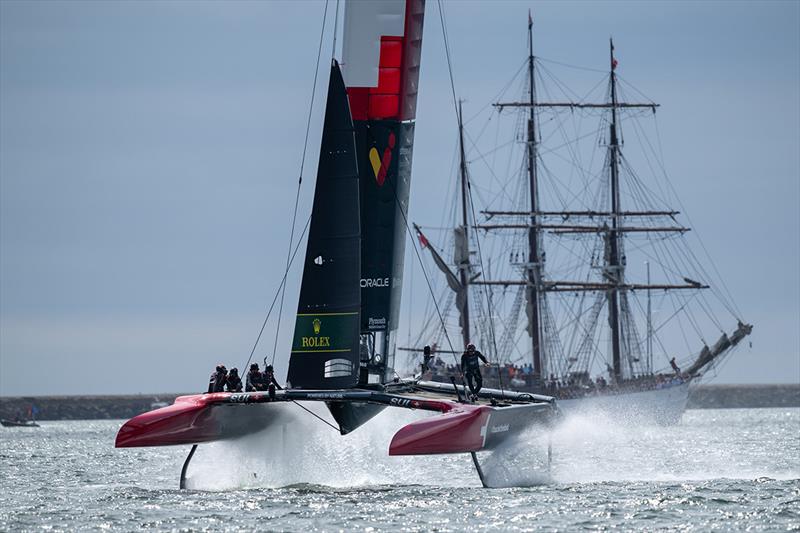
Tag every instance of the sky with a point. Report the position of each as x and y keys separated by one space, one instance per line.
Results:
x=150 y=154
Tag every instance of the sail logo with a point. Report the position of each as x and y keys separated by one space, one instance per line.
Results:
x=239 y=398
x=378 y=323
x=316 y=341
x=380 y=164
x=368 y=283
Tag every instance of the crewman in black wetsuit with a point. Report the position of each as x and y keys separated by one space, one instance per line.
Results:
x=427 y=356
x=255 y=379
x=234 y=382
x=216 y=383
x=269 y=378
x=471 y=367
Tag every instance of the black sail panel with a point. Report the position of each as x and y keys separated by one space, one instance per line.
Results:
x=325 y=344
x=384 y=202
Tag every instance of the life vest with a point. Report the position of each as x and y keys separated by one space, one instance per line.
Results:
x=255 y=381
x=472 y=362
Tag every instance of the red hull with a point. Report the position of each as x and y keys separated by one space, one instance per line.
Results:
x=192 y=420
x=461 y=428
x=469 y=428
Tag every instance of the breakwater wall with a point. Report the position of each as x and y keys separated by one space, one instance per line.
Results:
x=105 y=407
x=744 y=396
x=82 y=407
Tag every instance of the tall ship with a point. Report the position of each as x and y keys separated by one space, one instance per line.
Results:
x=572 y=271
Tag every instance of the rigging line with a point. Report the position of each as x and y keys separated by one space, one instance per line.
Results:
x=424 y=273
x=686 y=264
x=674 y=263
x=603 y=81
x=335 y=28
x=565 y=89
x=410 y=303
x=569 y=148
x=497 y=148
x=314 y=414
x=275 y=298
x=523 y=65
x=488 y=295
x=447 y=54
x=485 y=126
x=730 y=304
x=588 y=69
x=623 y=82
x=300 y=179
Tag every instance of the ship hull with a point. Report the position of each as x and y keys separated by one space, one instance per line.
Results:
x=663 y=406
x=16 y=424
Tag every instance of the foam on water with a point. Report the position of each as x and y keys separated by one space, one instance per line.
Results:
x=309 y=451
x=725 y=470
x=587 y=448
x=595 y=447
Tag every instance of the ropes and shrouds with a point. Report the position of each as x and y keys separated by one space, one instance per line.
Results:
x=292 y=254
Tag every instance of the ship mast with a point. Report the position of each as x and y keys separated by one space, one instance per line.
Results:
x=613 y=228
x=614 y=269
x=463 y=266
x=533 y=263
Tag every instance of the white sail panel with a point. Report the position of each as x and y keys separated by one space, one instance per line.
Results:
x=365 y=22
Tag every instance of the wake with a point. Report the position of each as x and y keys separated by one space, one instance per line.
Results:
x=587 y=448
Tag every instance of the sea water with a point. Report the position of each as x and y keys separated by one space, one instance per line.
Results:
x=735 y=469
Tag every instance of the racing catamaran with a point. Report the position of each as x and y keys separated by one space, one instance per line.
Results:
x=343 y=344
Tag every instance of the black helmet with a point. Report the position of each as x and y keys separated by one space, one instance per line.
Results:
x=426 y=350
x=254 y=366
x=234 y=370
x=269 y=368
x=470 y=346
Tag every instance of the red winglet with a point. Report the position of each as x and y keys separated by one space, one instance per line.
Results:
x=461 y=430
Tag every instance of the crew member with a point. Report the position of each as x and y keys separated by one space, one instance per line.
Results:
x=216 y=383
x=471 y=368
x=426 y=358
x=674 y=366
x=255 y=379
x=269 y=378
x=234 y=382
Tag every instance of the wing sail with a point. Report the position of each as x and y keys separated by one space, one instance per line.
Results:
x=325 y=344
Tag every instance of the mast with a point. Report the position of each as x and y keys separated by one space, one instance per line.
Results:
x=609 y=222
x=649 y=324
x=533 y=264
x=462 y=268
x=614 y=268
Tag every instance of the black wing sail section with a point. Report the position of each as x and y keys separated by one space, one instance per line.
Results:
x=325 y=345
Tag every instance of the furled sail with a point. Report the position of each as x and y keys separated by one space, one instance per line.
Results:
x=380 y=63
x=461 y=259
x=325 y=346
